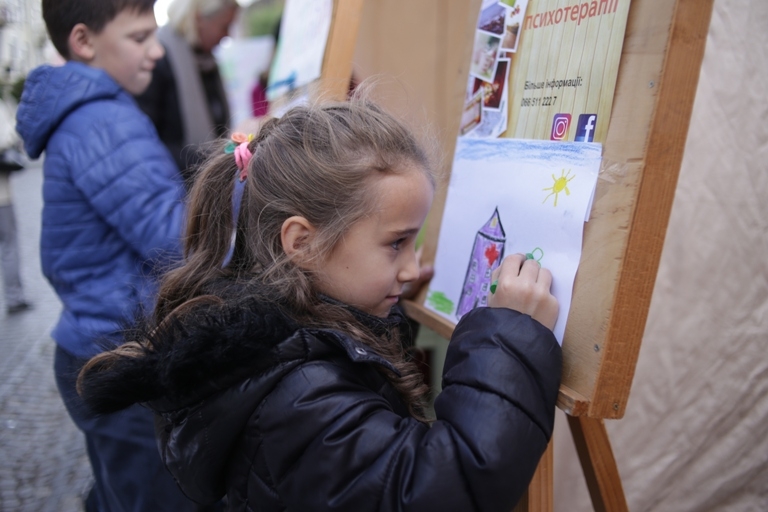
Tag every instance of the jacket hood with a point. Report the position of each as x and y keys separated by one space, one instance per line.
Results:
x=189 y=358
x=52 y=93
x=208 y=350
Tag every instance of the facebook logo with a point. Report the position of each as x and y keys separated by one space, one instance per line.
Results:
x=585 y=129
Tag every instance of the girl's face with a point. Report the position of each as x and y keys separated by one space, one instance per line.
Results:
x=377 y=256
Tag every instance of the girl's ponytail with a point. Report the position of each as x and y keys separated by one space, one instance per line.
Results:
x=208 y=232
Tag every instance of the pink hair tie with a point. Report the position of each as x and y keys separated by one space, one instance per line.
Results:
x=243 y=157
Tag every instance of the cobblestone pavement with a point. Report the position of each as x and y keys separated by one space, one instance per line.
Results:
x=43 y=465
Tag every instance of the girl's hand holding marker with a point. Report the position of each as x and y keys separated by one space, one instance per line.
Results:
x=520 y=283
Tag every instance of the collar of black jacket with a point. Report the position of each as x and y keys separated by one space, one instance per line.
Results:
x=220 y=344
x=378 y=325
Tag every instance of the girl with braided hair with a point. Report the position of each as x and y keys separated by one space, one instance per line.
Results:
x=276 y=360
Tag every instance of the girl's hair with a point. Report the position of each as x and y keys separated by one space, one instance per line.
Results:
x=182 y=13
x=318 y=162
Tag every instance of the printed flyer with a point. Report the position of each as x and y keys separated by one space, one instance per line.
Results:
x=563 y=75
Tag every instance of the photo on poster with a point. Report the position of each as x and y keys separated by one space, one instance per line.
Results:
x=494 y=120
x=492 y=124
x=494 y=92
x=484 y=56
x=472 y=115
x=512 y=24
x=492 y=19
x=472 y=87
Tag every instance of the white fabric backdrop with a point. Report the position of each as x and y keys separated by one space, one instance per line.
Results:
x=695 y=435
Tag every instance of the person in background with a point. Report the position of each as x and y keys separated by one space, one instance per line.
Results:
x=186 y=99
x=10 y=161
x=112 y=219
x=259 y=101
x=13 y=290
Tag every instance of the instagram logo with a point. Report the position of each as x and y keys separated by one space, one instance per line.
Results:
x=560 y=126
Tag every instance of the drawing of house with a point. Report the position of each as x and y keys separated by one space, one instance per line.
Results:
x=487 y=253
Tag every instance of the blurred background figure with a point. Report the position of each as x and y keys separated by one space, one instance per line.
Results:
x=186 y=99
x=10 y=160
x=259 y=102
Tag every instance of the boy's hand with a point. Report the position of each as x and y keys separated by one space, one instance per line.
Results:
x=523 y=285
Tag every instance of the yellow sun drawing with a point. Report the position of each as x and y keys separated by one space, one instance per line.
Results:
x=561 y=184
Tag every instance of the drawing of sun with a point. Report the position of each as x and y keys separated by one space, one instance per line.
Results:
x=561 y=184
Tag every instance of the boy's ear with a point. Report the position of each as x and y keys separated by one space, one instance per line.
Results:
x=297 y=235
x=80 y=43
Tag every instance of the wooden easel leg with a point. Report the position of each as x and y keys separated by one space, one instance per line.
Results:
x=538 y=498
x=598 y=464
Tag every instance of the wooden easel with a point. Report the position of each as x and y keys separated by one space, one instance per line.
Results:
x=340 y=49
x=658 y=75
x=657 y=78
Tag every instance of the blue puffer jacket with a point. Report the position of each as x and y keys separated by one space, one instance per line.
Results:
x=113 y=199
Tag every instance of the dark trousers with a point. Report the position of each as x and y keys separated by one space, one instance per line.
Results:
x=129 y=475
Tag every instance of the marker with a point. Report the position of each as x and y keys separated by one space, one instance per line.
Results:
x=528 y=256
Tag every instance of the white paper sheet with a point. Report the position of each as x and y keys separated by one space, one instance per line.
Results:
x=541 y=191
x=301 y=47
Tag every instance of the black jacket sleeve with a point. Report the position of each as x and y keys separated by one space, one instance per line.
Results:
x=329 y=443
x=505 y=367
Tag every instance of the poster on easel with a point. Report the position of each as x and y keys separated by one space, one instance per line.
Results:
x=539 y=93
x=560 y=60
x=563 y=75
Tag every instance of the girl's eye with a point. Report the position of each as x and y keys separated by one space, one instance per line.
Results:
x=397 y=243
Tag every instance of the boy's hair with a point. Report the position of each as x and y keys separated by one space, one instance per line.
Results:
x=318 y=162
x=61 y=16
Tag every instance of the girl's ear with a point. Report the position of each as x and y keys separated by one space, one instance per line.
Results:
x=80 y=45
x=296 y=235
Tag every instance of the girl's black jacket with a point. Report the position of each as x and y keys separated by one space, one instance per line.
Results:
x=282 y=418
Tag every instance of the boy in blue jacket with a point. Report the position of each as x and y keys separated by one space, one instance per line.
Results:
x=112 y=217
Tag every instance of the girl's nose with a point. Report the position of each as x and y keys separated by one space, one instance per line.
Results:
x=410 y=270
